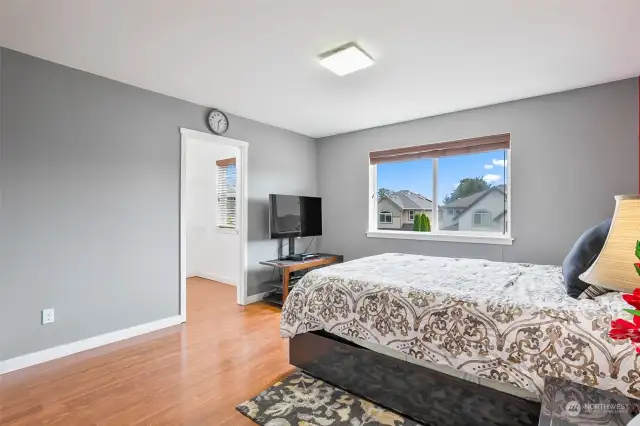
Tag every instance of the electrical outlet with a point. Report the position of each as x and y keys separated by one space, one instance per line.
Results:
x=48 y=316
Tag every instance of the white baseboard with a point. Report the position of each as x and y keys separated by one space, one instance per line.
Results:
x=220 y=279
x=45 y=355
x=253 y=299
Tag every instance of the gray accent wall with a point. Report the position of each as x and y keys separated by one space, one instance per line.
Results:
x=571 y=153
x=89 y=181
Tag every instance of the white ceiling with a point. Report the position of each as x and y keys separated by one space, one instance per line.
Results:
x=257 y=58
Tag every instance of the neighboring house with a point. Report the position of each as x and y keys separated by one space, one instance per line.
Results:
x=483 y=211
x=397 y=210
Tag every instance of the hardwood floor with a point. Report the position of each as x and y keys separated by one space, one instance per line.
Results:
x=195 y=373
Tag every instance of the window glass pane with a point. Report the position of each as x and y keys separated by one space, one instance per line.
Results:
x=385 y=217
x=472 y=192
x=402 y=188
x=477 y=219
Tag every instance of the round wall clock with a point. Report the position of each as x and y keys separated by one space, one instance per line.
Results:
x=218 y=122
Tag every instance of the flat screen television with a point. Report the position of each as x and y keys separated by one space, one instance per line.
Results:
x=294 y=216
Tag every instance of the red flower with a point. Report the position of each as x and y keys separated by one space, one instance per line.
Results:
x=633 y=299
x=623 y=329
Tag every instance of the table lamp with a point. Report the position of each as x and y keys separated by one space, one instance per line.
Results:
x=617 y=267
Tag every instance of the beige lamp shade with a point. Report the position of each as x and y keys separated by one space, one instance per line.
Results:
x=615 y=266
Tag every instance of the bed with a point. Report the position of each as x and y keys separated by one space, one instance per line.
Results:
x=500 y=325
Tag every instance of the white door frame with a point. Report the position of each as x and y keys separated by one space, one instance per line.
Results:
x=242 y=195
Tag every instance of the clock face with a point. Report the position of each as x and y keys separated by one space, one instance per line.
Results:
x=218 y=122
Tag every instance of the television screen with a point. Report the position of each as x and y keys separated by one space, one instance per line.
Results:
x=294 y=216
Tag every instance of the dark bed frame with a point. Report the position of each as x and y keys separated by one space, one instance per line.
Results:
x=422 y=394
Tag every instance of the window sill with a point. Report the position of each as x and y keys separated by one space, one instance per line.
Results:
x=458 y=237
x=226 y=230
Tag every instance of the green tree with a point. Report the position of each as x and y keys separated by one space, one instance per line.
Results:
x=416 y=221
x=426 y=223
x=383 y=192
x=421 y=223
x=466 y=187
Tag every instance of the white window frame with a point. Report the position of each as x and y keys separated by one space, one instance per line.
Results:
x=412 y=215
x=386 y=212
x=483 y=213
x=437 y=234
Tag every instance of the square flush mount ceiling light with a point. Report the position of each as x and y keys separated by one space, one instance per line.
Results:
x=346 y=59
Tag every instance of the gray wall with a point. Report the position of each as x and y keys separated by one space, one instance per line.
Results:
x=571 y=153
x=89 y=180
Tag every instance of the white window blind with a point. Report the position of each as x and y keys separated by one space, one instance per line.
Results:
x=226 y=191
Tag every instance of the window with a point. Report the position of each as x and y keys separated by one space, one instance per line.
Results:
x=405 y=189
x=481 y=218
x=467 y=182
x=474 y=186
x=386 y=217
x=226 y=192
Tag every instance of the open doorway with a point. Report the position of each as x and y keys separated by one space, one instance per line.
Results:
x=213 y=203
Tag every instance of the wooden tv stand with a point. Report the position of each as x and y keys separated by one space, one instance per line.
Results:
x=289 y=266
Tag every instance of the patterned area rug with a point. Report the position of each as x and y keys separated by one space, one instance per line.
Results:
x=301 y=400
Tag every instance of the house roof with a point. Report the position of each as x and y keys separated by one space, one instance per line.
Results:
x=468 y=201
x=409 y=200
x=499 y=216
x=464 y=202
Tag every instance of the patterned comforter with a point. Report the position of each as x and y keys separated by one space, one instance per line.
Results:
x=509 y=322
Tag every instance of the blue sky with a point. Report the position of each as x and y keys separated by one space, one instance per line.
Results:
x=417 y=176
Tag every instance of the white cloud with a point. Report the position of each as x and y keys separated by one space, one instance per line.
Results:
x=496 y=162
x=489 y=166
x=492 y=178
